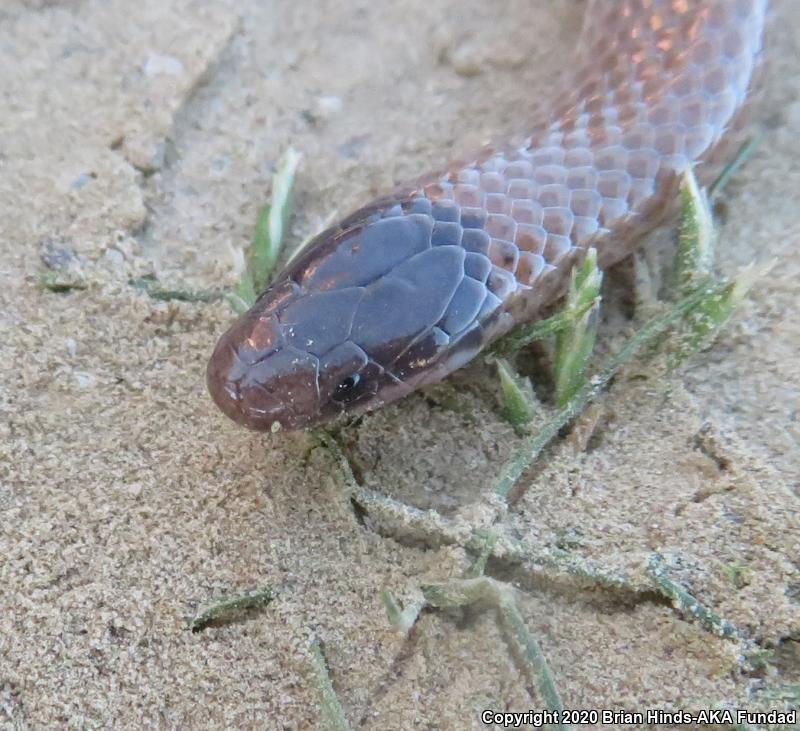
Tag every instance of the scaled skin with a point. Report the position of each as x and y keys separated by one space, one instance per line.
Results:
x=410 y=288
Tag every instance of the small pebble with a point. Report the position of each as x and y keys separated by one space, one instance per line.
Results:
x=82 y=180
x=84 y=379
x=324 y=107
x=56 y=254
x=115 y=259
x=329 y=105
x=466 y=60
x=162 y=64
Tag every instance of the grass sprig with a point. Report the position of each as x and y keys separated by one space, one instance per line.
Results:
x=463 y=592
x=696 y=237
x=519 y=401
x=229 y=607
x=574 y=343
x=685 y=602
x=332 y=713
x=267 y=244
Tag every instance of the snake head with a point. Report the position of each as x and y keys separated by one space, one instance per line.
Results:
x=287 y=363
x=374 y=309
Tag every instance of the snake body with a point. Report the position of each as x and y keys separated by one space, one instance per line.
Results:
x=412 y=286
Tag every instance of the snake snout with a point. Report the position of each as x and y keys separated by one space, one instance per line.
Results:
x=261 y=387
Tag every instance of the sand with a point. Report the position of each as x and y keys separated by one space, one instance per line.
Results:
x=140 y=139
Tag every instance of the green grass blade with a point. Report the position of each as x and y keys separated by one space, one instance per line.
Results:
x=462 y=592
x=684 y=601
x=744 y=154
x=575 y=343
x=695 y=256
x=272 y=223
x=519 y=401
x=705 y=321
x=333 y=716
x=231 y=606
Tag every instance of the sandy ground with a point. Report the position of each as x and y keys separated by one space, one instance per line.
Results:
x=141 y=138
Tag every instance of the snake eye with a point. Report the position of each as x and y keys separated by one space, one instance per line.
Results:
x=348 y=390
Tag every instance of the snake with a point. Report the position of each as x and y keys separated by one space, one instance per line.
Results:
x=415 y=284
